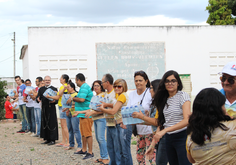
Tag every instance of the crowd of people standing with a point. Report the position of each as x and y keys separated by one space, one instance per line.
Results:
x=170 y=131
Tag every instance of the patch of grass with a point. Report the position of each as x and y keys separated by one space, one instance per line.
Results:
x=32 y=149
x=59 y=127
x=5 y=135
x=22 y=134
x=12 y=142
x=18 y=142
x=134 y=143
x=14 y=127
x=132 y=137
x=13 y=133
x=93 y=131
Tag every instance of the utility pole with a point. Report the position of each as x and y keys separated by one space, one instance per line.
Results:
x=14 y=56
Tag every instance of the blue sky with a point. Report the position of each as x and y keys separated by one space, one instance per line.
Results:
x=17 y=15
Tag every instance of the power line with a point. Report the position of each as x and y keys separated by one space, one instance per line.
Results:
x=6 y=59
x=5 y=42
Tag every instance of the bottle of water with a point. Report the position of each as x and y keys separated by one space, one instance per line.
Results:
x=127 y=115
x=131 y=110
x=142 y=110
x=137 y=120
x=124 y=117
x=91 y=103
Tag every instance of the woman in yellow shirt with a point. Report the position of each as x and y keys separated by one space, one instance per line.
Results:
x=124 y=133
x=65 y=135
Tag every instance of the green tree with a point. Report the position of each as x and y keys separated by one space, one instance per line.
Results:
x=219 y=13
x=3 y=85
x=232 y=6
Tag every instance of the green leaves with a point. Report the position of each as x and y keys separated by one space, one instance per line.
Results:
x=220 y=13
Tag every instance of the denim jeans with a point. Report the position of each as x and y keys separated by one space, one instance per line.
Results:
x=73 y=128
x=161 y=155
x=124 y=139
x=31 y=119
x=100 y=128
x=113 y=147
x=37 y=115
x=175 y=148
x=22 y=109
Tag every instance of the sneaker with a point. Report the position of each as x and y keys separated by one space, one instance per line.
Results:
x=88 y=155
x=28 y=133
x=21 y=131
x=33 y=135
x=80 y=152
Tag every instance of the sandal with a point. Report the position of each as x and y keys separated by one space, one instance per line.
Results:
x=66 y=145
x=98 y=161
x=59 y=145
x=69 y=148
x=104 y=163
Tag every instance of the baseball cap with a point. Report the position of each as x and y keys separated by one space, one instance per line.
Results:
x=230 y=68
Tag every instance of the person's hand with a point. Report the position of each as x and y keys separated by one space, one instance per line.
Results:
x=47 y=96
x=150 y=152
x=67 y=112
x=137 y=115
x=159 y=135
x=75 y=114
x=146 y=113
x=64 y=109
x=123 y=126
x=52 y=101
x=69 y=101
x=14 y=91
x=65 y=87
x=102 y=104
x=89 y=113
x=38 y=99
x=15 y=106
x=101 y=107
x=30 y=92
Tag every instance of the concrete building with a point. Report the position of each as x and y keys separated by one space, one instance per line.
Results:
x=198 y=53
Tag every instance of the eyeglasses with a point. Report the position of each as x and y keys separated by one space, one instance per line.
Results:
x=103 y=82
x=231 y=80
x=172 y=82
x=96 y=86
x=117 y=86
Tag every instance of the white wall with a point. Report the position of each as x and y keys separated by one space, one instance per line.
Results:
x=188 y=48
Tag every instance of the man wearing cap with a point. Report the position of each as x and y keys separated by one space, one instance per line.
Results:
x=228 y=82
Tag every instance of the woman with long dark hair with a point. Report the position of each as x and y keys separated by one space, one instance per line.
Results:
x=173 y=107
x=211 y=133
x=72 y=122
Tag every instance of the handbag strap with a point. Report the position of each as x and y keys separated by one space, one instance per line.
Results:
x=143 y=96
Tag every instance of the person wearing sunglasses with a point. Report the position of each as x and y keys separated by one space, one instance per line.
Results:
x=99 y=124
x=142 y=96
x=173 y=107
x=124 y=133
x=228 y=82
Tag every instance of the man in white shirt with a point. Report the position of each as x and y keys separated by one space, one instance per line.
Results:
x=228 y=82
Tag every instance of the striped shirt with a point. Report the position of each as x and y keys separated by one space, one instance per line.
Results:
x=173 y=111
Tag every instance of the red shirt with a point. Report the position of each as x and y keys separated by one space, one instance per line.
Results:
x=8 y=108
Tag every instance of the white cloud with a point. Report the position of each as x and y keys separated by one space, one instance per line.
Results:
x=49 y=15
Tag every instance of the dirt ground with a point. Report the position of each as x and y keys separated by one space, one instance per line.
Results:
x=17 y=148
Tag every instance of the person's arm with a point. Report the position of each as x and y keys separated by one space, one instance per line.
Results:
x=190 y=158
x=77 y=99
x=16 y=94
x=57 y=97
x=146 y=119
x=92 y=112
x=112 y=111
x=79 y=112
x=183 y=123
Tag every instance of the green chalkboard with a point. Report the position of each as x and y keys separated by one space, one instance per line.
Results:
x=121 y=60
